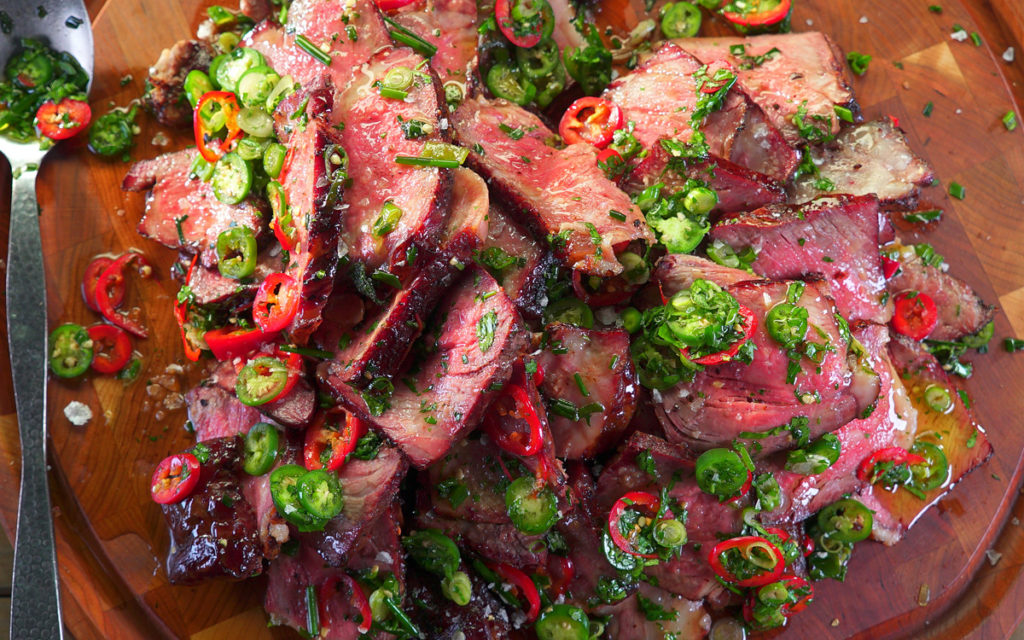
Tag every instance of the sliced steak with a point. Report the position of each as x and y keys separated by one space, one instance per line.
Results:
x=213 y=530
x=689 y=574
x=483 y=618
x=660 y=95
x=182 y=212
x=216 y=413
x=561 y=194
x=467 y=484
x=890 y=422
x=873 y=157
x=370 y=487
x=961 y=311
x=497 y=542
x=381 y=343
x=295 y=409
x=834 y=238
x=313 y=179
x=289 y=576
x=376 y=131
x=593 y=370
x=686 y=618
x=517 y=261
x=677 y=271
x=449 y=25
x=807 y=72
x=165 y=92
x=352 y=30
x=478 y=336
x=211 y=289
x=725 y=401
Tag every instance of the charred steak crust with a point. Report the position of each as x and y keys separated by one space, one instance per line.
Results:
x=165 y=95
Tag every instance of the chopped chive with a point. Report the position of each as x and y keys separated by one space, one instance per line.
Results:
x=957 y=190
x=582 y=386
x=1013 y=344
x=396 y=94
x=618 y=215
x=307 y=45
x=930 y=215
x=843 y=113
x=73 y=22
x=387 y=278
x=1010 y=120
x=928 y=108
x=410 y=39
x=976 y=38
x=307 y=351
x=935 y=8
x=419 y=161
x=858 y=62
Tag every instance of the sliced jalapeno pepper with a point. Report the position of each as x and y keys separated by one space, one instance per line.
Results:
x=721 y=473
x=197 y=84
x=261 y=381
x=505 y=83
x=533 y=511
x=846 y=521
x=256 y=85
x=234 y=66
x=232 y=178
x=680 y=20
x=570 y=310
x=111 y=133
x=786 y=324
x=260 y=448
x=236 y=253
x=273 y=159
x=320 y=494
x=433 y=551
x=71 y=350
x=562 y=622
x=540 y=61
x=933 y=472
x=284 y=489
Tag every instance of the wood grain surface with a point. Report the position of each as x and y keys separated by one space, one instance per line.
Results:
x=111 y=538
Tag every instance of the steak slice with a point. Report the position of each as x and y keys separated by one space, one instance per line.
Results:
x=660 y=96
x=561 y=194
x=685 y=618
x=890 y=423
x=376 y=131
x=735 y=400
x=688 y=574
x=382 y=342
x=517 y=261
x=216 y=413
x=449 y=25
x=677 y=271
x=211 y=289
x=482 y=618
x=181 y=211
x=479 y=334
x=873 y=157
x=213 y=530
x=327 y=25
x=289 y=576
x=312 y=179
x=295 y=409
x=165 y=93
x=832 y=237
x=593 y=370
x=370 y=487
x=806 y=73
x=961 y=311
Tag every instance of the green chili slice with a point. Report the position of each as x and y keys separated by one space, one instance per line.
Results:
x=846 y=521
x=71 y=350
x=680 y=20
x=320 y=494
x=232 y=178
x=505 y=83
x=533 y=511
x=236 y=253
x=260 y=448
x=284 y=490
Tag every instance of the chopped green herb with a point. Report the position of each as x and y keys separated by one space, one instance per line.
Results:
x=1010 y=120
x=957 y=190
x=858 y=62
x=844 y=113
x=928 y=108
x=930 y=215
x=485 y=328
x=1013 y=344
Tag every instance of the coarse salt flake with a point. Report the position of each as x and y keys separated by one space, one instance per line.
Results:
x=77 y=413
x=1008 y=54
x=959 y=35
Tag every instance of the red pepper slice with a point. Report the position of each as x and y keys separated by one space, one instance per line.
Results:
x=747 y=545
x=276 y=303
x=336 y=441
x=915 y=314
x=64 y=119
x=890 y=267
x=209 y=147
x=228 y=343
x=293 y=362
x=749 y=326
x=866 y=471
x=175 y=478
x=192 y=352
x=773 y=12
x=391 y=5
x=591 y=120
x=282 y=223
x=329 y=589
x=112 y=278
x=524 y=409
x=895 y=121
x=631 y=499
x=525 y=36
x=112 y=349
x=92 y=274
x=520 y=581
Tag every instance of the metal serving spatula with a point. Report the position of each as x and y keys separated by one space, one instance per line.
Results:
x=35 y=597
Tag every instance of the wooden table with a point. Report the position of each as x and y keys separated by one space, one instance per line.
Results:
x=1001 y=23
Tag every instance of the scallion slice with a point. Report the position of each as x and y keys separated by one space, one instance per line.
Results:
x=307 y=45
x=957 y=190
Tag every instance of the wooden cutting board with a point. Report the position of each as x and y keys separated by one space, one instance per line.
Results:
x=111 y=536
